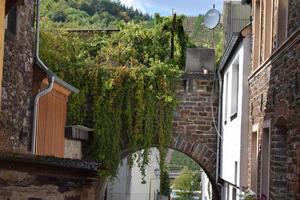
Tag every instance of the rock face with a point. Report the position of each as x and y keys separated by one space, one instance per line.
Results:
x=15 y=117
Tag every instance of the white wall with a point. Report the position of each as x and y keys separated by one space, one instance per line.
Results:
x=141 y=191
x=128 y=186
x=206 y=188
x=235 y=131
x=119 y=188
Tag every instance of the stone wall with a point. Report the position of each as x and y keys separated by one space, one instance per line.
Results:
x=16 y=105
x=275 y=104
x=27 y=177
x=294 y=16
x=194 y=130
x=26 y=186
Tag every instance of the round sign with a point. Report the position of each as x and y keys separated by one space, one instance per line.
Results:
x=212 y=18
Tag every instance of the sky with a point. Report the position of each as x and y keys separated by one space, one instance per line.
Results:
x=164 y=7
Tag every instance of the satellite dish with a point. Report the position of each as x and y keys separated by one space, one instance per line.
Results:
x=212 y=18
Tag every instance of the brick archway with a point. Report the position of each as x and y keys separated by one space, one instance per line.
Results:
x=194 y=124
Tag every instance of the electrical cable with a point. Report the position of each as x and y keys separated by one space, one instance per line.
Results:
x=212 y=93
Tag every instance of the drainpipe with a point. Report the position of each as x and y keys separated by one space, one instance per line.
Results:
x=219 y=126
x=50 y=76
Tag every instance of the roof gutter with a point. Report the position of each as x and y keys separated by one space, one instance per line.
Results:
x=51 y=79
x=50 y=75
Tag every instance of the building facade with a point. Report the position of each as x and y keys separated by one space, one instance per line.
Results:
x=40 y=158
x=274 y=131
x=234 y=69
x=236 y=15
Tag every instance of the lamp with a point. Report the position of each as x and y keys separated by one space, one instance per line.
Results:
x=156 y=173
x=205 y=70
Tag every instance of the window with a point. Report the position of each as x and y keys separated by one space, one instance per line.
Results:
x=233 y=193
x=226 y=97
x=282 y=21
x=257 y=34
x=227 y=191
x=11 y=21
x=235 y=172
x=254 y=161
x=234 y=90
x=268 y=33
x=265 y=164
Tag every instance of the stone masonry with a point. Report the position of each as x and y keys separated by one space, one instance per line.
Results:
x=194 y=131
x=274 y=94
x=24 y=176
x=275 y=107
x=15 y=116
x=36 y=179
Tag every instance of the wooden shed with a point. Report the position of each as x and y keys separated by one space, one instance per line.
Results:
x=51 y=116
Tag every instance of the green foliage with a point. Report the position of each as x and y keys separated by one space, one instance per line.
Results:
x=126 y=82
x=165 y=185
x=128 y=107
x=180 y=160
x=187 y=183
x=201 y=36
x=89 y=13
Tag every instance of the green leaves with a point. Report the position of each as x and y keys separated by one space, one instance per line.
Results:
x=126 y=81
x=89 y=13
x=126 y=113
x=186 y=183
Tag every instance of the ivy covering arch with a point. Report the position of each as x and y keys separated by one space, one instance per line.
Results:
x=127 y=85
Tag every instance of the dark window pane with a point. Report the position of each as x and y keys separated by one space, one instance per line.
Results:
x=12 y=20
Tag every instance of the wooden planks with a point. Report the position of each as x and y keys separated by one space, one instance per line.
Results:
x=51 y=124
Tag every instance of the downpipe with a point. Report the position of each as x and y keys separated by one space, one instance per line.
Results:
x=51 y=79
x=219 y=127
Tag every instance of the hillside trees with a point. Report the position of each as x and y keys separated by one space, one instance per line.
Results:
x=89 y=13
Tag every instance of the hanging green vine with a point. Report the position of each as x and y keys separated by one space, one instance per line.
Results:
x=130 y=108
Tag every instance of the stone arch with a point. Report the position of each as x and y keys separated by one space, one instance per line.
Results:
x=194 y=131
x=204 y=156
x=279 y=167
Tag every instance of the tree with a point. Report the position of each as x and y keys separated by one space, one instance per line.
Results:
x=186 y=183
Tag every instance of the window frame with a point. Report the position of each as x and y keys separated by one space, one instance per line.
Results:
x=235 y=80
x=280 y=21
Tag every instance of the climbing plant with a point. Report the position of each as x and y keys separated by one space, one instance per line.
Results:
x=126 y=81
x=130 y=109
